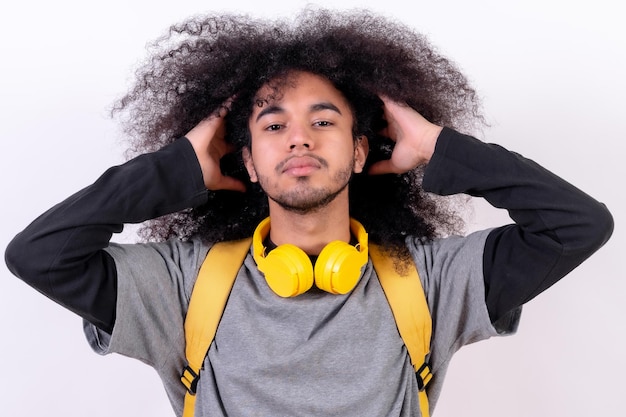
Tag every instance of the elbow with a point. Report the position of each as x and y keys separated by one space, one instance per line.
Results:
x=603 y=226
x=13 y=256
x=596 y=229
x=21 y=260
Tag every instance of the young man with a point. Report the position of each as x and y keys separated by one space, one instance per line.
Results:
x=333 y=119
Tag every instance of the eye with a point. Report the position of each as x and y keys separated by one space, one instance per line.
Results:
x=323 y=123
x=274 y=127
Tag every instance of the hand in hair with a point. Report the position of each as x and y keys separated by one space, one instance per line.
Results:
x=414 y=137
x=207 y=139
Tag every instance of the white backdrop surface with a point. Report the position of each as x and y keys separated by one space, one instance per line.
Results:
x=551 y=75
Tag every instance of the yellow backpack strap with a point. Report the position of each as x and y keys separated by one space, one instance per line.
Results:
x=407 y=299
x=208 y=299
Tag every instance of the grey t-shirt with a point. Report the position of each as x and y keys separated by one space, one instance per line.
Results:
x=313 y=355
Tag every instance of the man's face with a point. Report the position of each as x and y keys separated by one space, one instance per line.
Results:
x=303 y=152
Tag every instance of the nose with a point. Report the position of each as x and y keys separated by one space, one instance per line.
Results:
x=299 y=137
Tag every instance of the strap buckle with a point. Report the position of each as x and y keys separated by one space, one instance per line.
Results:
x=190 y=379
x=424 y=375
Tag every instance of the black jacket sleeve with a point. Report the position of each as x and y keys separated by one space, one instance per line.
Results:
x=557 y=226
x=61 y=252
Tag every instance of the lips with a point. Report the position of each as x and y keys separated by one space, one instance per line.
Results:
x=300 y=165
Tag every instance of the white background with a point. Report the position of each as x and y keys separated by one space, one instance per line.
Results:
x=551 y=74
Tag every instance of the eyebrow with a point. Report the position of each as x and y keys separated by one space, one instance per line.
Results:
x=275 y=109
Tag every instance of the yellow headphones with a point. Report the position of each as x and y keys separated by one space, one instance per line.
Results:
x=289 y=271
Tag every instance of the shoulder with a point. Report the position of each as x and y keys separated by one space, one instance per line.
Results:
x=173 y=260
x=444 y=258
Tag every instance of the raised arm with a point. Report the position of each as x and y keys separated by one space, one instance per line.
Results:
x=61 y=252
x=557 y=226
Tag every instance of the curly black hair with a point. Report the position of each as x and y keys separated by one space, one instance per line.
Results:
x=205 y=60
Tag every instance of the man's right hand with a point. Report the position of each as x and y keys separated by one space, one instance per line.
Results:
x=208 y=140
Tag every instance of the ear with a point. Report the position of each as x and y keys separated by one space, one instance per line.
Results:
x=247 y=160
x=361 y=150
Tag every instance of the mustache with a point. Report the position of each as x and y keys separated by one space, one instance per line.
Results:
x=281 y=164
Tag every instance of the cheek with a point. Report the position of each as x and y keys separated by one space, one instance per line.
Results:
x=261 y=165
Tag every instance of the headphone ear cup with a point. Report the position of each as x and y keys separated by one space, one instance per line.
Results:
x=288 y=270
x=338 y=268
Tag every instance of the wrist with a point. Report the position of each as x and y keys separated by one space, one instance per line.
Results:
x=429 y=143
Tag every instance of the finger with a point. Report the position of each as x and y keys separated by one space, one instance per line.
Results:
x=223 y=109
x=207 y=127
x=390 y=103
x=384 y=167
x=223 y=182
x=232 y=184
x=389 y=133
x=228 y=103
x=228 y=148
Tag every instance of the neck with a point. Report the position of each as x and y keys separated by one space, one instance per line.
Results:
x=310 y=231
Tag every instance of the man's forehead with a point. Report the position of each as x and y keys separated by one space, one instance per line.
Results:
x=273 y=92
x=274 y=89
x=261 y=101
